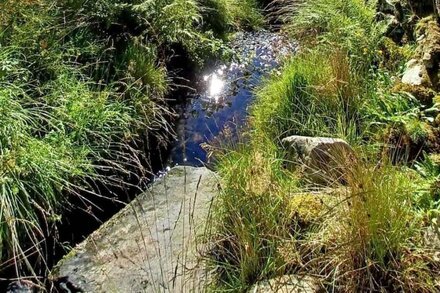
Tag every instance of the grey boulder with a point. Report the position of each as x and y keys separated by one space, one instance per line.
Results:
x=322 y=159
x=151 y=245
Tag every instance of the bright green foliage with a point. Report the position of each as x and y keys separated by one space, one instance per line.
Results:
x=80 y=82
x=137 y=66
x=222 y=14
x=288 y=104
x=244 y=13
x=339 y=85
x=306 y=101
x=348 y=25
x=254 y=213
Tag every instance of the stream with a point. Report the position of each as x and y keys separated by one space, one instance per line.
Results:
x=223 y=95
x=221 y=99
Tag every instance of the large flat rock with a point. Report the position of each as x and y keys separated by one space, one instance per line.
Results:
x=151 y=245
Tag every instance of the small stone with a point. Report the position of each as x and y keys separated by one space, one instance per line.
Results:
x=323 y=159
x=413 y=74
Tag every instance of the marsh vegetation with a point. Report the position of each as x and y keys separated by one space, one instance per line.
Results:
x=86 y=94
x=370 y=229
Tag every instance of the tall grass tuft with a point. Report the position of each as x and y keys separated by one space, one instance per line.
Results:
x=378 y=223
x=349 y=25
x=305 y=101
x=251 y=218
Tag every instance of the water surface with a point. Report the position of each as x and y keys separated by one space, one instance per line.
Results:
x=224 y=94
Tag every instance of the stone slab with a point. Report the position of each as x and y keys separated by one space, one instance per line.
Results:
x=151 y=245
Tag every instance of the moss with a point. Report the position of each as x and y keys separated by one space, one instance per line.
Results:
x=422 y=93
x=394 y=56
x=425 y=26
x=72 y=253
x=428 y=33
x=306 y=209
x=436 y=100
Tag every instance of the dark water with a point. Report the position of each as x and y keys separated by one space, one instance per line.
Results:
x=224 y=94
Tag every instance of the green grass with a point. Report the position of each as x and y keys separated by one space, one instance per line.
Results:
x=81 y=82
x=254 y=214
x=378 y=222
x=369 y=235
x=224 y=15
x=305 y=101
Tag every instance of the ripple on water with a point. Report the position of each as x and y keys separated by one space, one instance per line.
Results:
x=224 y=94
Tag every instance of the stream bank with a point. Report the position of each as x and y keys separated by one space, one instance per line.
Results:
x=337 y=182
x=222 y=100
x=83 y=84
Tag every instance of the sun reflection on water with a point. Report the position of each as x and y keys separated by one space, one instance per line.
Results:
x=215 y=84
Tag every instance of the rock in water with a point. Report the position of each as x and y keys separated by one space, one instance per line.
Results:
x=323 y=159
x=150 y=245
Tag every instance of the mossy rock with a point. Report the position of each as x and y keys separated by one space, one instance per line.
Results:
x=422 y=74
x=308 y=208
x=423 y=93
x=428 y=50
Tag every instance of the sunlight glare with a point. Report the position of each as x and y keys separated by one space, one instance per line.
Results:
x=216 y=85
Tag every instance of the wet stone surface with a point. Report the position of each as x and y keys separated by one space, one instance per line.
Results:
x=152 y=245
x=224 y=94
